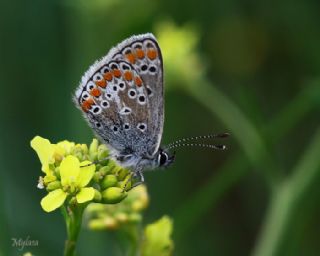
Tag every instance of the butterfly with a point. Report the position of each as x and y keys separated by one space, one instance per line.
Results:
x=122 y=98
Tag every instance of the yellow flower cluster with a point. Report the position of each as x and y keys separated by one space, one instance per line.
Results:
x=111 y=217
x=72 y=177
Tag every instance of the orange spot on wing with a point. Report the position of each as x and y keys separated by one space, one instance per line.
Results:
x=128 y=75
x=102 y=83
x=152 y=53
x=131 y=58
x=108 y=76
x=116 y=72
x=140 y=53
x=86 y=105
x=95 y=92
x=138 y=81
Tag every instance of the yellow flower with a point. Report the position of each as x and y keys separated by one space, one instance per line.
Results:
x=74 y=181
x=178 y=46
x=45 y=151
x=157 y=240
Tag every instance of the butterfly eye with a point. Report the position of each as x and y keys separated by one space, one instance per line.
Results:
x=97 y=77
x=90 y=86
x=132 y=93
x=105 y=69
x=162 y=158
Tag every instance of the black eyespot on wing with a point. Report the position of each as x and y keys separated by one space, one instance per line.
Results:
x=142 y=126
x=149 y=91
x=142 y=98
x=114 y=66
x=152 y=69
x=121 y=85
x=144 y=67
x=96 y=110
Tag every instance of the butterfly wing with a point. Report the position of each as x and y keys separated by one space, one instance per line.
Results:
x=121 y=96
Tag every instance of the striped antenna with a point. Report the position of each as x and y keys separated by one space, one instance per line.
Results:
x=178 y=145
x=209 y=136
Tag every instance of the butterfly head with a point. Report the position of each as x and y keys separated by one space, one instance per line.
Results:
x=164 y=158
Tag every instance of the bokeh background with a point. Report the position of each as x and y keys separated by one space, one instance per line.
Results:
x=247 y=67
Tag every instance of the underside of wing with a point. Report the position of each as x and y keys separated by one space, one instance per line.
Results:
x=121 y=96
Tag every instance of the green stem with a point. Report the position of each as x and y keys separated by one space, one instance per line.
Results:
x=131 y=236
x=286 y=199
x=73 y=219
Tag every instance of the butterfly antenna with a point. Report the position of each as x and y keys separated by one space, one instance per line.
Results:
x=209 y=136
x=219 y=147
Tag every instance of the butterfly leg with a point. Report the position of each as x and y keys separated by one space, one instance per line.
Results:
x=138 y=174
x=134 y=175
x=97 y=161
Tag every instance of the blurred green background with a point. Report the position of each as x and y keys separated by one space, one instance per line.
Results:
x=247 y=67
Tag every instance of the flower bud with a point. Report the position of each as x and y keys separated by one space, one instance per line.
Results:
x=109 y=181
x=97 y=196
x=113 y=195
x=97 y=177
x=97 y=224
x=134 y=217
x=53 y=185
x=102 y=152
x=93 y=149
x=106 y=169
x=121 y=217
x=84 y=148
x=57 y=172
x=139 y=205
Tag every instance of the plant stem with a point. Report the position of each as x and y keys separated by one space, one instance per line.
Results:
x=286 y=199
x=73 y=219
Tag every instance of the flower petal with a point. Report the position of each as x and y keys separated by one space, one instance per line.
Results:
x=44 y=149
x=85 y=194
x=86 y=173
x=69 y=170
x=53 y=200
x=65 y=147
